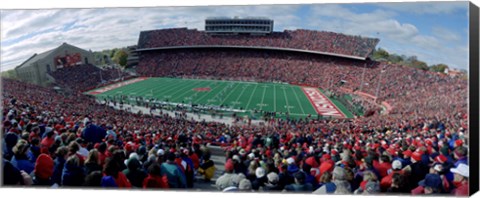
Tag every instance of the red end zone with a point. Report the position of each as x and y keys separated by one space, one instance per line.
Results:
x=321 y=103
x=116 y=85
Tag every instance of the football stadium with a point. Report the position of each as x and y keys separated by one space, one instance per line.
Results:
x=237 y=107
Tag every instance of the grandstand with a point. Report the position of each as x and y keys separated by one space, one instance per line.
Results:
x=402 y=122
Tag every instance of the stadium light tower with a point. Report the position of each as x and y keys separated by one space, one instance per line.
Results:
x=101 y=78
x=363 y=76
x=379 y=82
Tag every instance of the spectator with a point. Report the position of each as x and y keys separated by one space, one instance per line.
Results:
x=245 y=185
x=11 y=174
x=398 y=184
x=73 y=173
x=432 y=184
x=92 y=163
x=94 y=179
x=154 y=179
x=20 y=159
x=207 y=168
x=60 y=159
x=461 y=179
x=44 y=167
x=113 y=177
x=136 y=175
x=299 y=185
x=272 y=183
x=326 y=182
x=260 y=180
x=176 y=179
x=227 y=179
x=386 y=181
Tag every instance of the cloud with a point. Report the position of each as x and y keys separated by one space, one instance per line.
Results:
x=445 y=34
x=396 y=37
x=25 y=32
x=420 y=8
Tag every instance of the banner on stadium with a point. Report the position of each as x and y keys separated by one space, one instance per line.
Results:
x=68 y=60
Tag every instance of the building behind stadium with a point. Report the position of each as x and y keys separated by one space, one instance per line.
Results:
x=36 y=69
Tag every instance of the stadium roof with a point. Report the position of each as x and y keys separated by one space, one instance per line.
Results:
x=35 y=58
x=251 y=47
x=42 y=55
x=238 y=18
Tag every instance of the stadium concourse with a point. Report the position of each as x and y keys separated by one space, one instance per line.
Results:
x=419 y=146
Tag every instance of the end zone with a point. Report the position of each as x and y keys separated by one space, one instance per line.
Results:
x=321 y=103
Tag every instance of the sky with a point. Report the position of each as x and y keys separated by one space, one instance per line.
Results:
x=435 y=32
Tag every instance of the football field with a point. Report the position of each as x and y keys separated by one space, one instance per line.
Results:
x=245 y=97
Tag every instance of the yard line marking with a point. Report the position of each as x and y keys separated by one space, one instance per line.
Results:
x=286 y=99
x=253 y=93
x=223 y=101
x=298 y=99
x=143 y=91
x=243 y=90
x=274 y=99
x=219 y=92
x=263 y=97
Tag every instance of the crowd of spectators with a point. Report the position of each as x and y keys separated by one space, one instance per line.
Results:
x=302 y=39
x=86 y=77
x=52 y=140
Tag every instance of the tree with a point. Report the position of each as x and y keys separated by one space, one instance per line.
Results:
x=112 y=53
x=439 y=68
x=120 y=57
x=394 y=58
x=380 y=54
x=418 y=64
x=9 y=74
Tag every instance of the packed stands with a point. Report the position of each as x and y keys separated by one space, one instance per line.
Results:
x=54 y=135
x=319 y=41
x=86 y=77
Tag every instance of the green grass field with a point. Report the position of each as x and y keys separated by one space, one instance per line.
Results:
x=248 y=96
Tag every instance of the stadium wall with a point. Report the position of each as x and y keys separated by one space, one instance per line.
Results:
x=36 y=71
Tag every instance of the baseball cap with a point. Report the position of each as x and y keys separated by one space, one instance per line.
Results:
x=431 y=180
x=462 y=169
x=397 y=165
x=272 y=177
x=260 y=172
x=160 y=152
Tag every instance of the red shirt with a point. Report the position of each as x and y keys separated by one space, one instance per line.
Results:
x=382 y=168
x=462 y=190
x=195 y=160
x=122 y=181
x=386 y=182
x=155 y=182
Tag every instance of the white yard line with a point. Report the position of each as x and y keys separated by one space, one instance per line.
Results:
x=218 y=93
x=298 y=99
x=274 y=99
x=230 y=93
x=249 y=100
x=238 y=97
x=263 y=96
x=286 y=101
